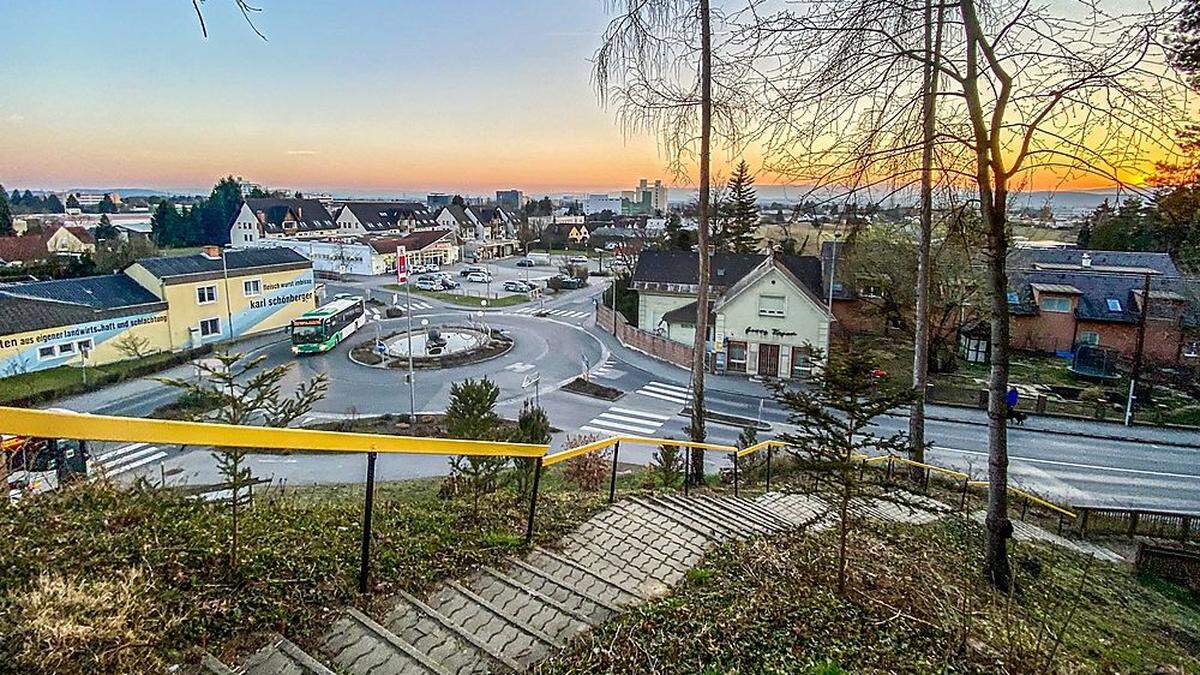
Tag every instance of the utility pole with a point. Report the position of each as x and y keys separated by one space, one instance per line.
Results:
x=1137 y=355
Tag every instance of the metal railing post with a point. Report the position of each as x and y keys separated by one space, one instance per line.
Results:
x=537 y=480
x=612 y=480
x=735 y=474
x=862 y=468
x=368 y=505
x=962 y=498
x=889 y=469
x=1024 y=508
x=769 y=449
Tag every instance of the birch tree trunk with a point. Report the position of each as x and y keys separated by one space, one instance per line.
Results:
x=697 y=430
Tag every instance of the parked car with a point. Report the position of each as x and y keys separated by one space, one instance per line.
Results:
x=516 y=286
x=577 y=260
x=612 y=246
x=448 y=282
x=568 y=282
x=526 y=262
x=417 y=269
x=471 y=269
x=479 y=277
x=428 y=284
x=433 y=267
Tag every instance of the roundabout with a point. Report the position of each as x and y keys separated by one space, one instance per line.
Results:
x=433 y=347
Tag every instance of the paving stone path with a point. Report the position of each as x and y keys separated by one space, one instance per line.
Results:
x=509 y=618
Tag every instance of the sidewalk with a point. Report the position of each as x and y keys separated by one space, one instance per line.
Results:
x=742 y=386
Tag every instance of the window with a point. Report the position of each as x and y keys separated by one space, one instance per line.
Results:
x=46 y=352
x=772 y=305
x=252 y=287
x=1013 y=298
x=737 y=356
x=66 y=348
x=1114 y=305
x=210 y=327
x=1089 y=337
x=84 y=345
x=206 y=294
x=1058 y=305
x=801 y=364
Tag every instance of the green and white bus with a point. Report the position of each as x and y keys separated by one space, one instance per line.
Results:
x=321 y=329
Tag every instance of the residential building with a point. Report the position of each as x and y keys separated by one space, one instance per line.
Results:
x=258 y=218
x=155 y=304
x=423 y=247
x=512 y=200
x=483 y=231
x=383 y=218
x=54 y=240
x=23 y=250
x=1060 y=300
x=70 y=240
x=766 y=312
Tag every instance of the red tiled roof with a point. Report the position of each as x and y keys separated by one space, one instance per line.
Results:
x=27 y=248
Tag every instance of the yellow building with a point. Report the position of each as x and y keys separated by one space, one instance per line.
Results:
x=157 y=304
x=227 y=294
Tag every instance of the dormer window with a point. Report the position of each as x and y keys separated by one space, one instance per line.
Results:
x=1114 y=305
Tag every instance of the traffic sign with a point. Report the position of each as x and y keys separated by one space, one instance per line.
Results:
x=401 y=265
x=530 y=380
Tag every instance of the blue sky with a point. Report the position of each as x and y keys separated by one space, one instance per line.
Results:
x=348 y=96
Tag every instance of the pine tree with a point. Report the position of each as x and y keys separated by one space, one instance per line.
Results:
x=55 y=205
x=740 y=212
x=73 y=202
x=6 y=221
x=105 y=231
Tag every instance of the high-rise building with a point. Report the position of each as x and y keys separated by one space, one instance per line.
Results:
x=511 y=199
x=436 y=200
x=658 y=195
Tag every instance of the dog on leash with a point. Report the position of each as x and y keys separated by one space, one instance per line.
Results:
x=1017 y=417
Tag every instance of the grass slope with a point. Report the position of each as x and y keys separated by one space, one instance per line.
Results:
x=915 y=603
x=98 y=579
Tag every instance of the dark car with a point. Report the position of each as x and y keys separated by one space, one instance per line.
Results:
x=525 y=262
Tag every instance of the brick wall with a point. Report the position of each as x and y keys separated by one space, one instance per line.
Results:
x=632 y=337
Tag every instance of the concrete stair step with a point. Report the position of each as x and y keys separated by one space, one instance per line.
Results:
x=528 y=605
x=456 y=649
x=359 y=645
x=281 y=657
x=569 y=595
x=583 y=579
x=797 y=509
x=500 y=632
x=687 y=517
x=754 y=511
x=211 y=665
x=646 y=551
x=723 y=511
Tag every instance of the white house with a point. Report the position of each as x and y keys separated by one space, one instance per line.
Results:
x=383 y=218
x=766 y=313
x=272 y=217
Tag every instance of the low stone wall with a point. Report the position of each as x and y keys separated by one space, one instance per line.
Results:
x=648 y=343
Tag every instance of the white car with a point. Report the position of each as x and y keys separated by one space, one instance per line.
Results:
x=577 y=260
x=433 y=267
x=428 y=284
x=479 y=277
x=517 y=286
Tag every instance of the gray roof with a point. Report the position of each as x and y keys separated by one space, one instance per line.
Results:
x=1095 y=290
x=725 y=270
x=459 y=214
x=389 y=215
x=47 y=304
x=1099 y=261
x=235 y=259
x=310 y=215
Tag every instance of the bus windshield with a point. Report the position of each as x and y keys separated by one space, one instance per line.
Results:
x=308 y=334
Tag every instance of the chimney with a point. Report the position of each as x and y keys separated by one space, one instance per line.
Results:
x=1086 y=261
x=211 y=252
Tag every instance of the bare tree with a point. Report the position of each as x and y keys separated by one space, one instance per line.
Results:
x=1032 y=92
x=658 y=66
x=243 y=6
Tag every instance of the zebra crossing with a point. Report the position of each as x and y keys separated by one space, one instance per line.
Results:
x=566 y=313
x=605 y=371
x=617 y=420
x=125 y=459
x=667 y=392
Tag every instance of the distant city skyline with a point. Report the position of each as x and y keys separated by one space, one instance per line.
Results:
x=356 y=98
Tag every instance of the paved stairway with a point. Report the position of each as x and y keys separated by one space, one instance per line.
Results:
x=506 y=619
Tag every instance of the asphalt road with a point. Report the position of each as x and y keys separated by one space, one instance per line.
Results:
x=1081 y=470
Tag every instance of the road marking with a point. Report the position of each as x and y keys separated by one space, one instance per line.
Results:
x=130 y=460
x=1073 y=465
x=666 y=392
x=639 y=413
x=104 y=457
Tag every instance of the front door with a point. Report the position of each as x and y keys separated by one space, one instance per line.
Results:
x=768 y=360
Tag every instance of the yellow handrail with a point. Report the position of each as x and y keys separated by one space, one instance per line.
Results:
x=571 y=453
x=1031 y=497
x=82 y=426
x=760 y=446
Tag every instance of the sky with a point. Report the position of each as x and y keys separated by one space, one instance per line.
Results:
x=353 y=97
